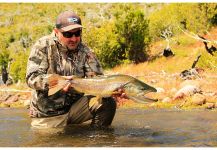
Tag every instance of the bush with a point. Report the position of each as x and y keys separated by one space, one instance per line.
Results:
x=104 y=43
x=132 y=33
x=18 y=66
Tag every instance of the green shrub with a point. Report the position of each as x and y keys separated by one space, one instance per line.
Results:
x=132 y=29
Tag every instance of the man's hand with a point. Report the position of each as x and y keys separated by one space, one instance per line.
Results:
x=57 y=83
x=120 y=97
x=52 y=82
x=68 y=85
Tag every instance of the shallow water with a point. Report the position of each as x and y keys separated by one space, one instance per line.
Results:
x=130 y=128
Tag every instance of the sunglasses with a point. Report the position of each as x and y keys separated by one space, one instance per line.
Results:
x=70 y=34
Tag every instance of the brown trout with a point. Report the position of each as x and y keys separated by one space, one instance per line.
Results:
x=105 y=86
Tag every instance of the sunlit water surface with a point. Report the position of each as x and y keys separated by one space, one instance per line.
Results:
x=130 y=128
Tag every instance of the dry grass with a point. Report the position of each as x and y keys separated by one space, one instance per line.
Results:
x=164 y=72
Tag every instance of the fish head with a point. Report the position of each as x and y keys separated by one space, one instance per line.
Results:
x=137 y=89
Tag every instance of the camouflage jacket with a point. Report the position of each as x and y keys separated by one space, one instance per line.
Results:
x=48 y=56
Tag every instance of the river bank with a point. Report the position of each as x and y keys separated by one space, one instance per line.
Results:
x=12 y=97
x=198 y=91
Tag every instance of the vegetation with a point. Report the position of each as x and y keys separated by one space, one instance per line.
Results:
x=118 y=33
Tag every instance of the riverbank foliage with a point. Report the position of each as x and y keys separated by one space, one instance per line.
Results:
x=118 y=33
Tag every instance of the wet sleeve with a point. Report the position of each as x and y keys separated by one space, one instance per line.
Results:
x=92 y=65
x=36 y=74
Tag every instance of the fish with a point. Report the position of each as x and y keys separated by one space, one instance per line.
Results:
x=105 y=86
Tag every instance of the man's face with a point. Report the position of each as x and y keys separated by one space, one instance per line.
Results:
x=69 y=39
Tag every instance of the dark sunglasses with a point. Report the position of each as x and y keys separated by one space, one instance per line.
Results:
x=70 y=34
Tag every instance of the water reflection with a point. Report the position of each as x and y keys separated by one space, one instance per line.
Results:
x=130 y=128
x=73 y=135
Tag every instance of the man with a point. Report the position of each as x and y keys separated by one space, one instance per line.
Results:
x=63 y=53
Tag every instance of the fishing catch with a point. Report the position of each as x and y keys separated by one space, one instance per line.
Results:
x=105 y=86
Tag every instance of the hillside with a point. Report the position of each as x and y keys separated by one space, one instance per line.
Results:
x=20 y=28
x=185 y=53
x=162 y=73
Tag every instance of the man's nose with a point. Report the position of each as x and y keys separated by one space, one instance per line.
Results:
x=73 y=38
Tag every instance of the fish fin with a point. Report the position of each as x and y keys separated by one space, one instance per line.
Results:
x=57 y=87
x=54 y=90
x=52 y=77
x=143 y=99
x=95 y=102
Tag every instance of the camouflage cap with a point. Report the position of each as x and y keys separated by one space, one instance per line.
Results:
x=68 y=20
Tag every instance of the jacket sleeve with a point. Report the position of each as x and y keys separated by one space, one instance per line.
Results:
x=36 y=74
x=92 y=65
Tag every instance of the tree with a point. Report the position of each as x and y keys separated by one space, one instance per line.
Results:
x=18 y=66
x=195 y=17
x=104 y=43
x=4 y=60
x=133 y=33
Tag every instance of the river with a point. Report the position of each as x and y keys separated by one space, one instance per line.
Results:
x=130 y=128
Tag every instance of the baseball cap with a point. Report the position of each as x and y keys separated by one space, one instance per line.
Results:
x=68 y=20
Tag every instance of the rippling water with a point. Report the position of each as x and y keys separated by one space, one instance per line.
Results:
x=130 y=128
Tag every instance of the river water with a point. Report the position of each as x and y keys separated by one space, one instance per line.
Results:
x=130 y=128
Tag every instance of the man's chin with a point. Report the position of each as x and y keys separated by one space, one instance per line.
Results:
x=72 y=48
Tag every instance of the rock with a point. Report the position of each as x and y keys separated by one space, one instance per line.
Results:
x=210 y=105
x=24 y=97
x=26 y=103
x=5 y=97
x=173 y=90
x=9 y=81
x=192 y=73
x=198 y=99
x=167 y=100
x=160 y=90
x=187 y=90
x=168 y=52
x=12 y=99
x=215 y=105
x=190 y=82
x=153 y=81
x=213 y=94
